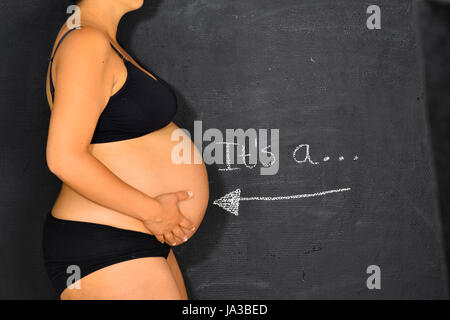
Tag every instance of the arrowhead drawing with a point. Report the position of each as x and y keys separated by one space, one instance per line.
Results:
x=230 y=202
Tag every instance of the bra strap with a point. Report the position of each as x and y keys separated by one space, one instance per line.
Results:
x=118 y=52
x=52 y=88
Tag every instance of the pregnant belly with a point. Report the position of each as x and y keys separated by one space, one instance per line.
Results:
x=146 y=164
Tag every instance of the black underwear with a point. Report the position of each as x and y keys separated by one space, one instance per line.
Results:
x=90 y=247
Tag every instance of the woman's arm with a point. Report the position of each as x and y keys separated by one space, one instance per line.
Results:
x=83 y=85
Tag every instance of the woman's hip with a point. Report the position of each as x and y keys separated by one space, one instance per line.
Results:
x=72 y=248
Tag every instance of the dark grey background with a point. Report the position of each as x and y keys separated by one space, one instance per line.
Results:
x=434 y=26
x=310 y=68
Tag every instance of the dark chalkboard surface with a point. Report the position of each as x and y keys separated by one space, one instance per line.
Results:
x=348 y=96
x=434 y=21
x=313 y=70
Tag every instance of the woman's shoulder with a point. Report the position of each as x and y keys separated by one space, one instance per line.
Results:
x=84 y=40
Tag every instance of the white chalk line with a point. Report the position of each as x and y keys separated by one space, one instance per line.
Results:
x=297 y=196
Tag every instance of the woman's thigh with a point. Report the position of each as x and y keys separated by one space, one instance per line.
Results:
x=137 y=279
x=178 y=276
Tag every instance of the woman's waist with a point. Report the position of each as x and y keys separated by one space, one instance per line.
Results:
x=145 y=163
x=74 y=207
x=70 y=205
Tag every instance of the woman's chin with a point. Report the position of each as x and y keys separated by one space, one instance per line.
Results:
x=138 y=4
x=132 y=4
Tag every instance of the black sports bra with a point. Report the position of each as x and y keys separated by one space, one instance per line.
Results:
x=142 y=105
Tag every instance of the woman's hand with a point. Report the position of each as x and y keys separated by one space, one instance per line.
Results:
x=168 y=224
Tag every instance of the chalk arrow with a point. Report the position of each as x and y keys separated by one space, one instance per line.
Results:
x=230 y=201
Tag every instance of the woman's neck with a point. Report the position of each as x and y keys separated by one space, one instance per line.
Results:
x=102 y=15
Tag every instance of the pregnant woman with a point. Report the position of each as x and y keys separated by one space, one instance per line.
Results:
x=123 y=201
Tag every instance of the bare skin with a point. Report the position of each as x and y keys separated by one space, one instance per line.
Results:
x=130 y=184
x=118 y=282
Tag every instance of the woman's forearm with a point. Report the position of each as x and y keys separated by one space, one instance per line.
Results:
x=93 y=180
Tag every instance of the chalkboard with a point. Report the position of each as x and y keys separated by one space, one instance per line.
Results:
x=434 y=22
x=354 y=194
x=353 y=95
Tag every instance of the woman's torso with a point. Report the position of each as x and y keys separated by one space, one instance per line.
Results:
x=144 y=163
